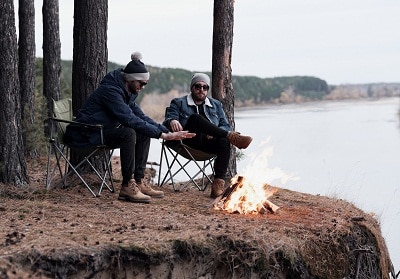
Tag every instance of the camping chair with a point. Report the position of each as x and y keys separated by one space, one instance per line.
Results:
x=178 y=157
x=98 y=158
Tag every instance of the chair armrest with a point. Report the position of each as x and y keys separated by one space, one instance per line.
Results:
x=98 y=127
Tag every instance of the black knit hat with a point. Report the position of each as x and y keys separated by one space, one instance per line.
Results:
x=135 y=69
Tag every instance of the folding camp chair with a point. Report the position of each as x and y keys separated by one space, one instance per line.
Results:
x=180 y=158
x=98 y=158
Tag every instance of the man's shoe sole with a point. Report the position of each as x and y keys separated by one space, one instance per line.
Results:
x=154 y=196
x=132 y=200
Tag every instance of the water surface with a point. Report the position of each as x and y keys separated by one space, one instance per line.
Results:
x=348 y=150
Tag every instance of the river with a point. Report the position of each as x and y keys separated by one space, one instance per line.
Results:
x=347 y=149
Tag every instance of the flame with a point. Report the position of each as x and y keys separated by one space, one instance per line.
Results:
x=258 y=171
x=247 y=198
x=252 y=189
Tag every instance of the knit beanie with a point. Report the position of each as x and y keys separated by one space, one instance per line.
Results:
x=200 y=77
x=136 y=70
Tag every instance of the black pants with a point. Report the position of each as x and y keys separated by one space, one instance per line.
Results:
x=218 y=144
x=134 y=151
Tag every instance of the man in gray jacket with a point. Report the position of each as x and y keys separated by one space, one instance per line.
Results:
x=205 y=117
x=125 y=126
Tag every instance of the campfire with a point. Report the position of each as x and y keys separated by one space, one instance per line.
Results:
x=248 y=192
x=244 y=197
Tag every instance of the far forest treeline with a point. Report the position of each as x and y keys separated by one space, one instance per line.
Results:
x=249 y=90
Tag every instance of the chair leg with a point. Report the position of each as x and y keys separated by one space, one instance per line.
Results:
x=169 y=174
x=102 y=176
x=104 y=172
x=160 y=166
x=206 y=180
x=182 y=166
x=107 y=155
x=49 y=173
x=202 y=171
x=62 y=164
x=73 y=169
x=57 y=151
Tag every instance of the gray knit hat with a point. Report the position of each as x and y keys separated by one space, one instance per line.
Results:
x=200 y=77
x=136 y=70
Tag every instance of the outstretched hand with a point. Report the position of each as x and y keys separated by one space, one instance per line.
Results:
x=180 y=135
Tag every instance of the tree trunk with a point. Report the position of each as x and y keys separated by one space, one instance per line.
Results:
x=51 y=53
x=222 y=87
x=26 y=69
x=12 y=159
x=89 y=64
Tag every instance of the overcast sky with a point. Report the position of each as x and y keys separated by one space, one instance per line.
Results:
x=340 y=41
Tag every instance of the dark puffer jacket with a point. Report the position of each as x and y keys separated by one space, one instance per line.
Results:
x=111 y=105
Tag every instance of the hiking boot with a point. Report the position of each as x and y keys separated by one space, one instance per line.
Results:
x=238 y=140
x=132 y=193
x=217 y=188
x=145 y=188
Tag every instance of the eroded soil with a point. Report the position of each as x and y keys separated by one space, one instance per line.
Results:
x=325 y=233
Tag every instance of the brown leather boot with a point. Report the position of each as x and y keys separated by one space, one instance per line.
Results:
x=146 y=189
x=217 y=188
x=238 y=140
x=132 y=193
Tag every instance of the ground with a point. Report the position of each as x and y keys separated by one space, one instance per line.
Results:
x=68 y=233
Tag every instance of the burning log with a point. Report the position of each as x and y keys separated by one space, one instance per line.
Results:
x=219 y=202
x=228 y=191
x=243 y=198
x=267 y=206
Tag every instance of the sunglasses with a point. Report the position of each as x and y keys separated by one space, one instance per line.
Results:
x=142 y=83
x=199 y=86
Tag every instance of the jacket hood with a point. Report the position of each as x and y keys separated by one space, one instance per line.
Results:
x=116 y=79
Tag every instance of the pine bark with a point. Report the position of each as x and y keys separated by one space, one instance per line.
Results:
x=12 y=160
x=26 y=68
x=222 y=86
x=89 y=64
x=90 y=49
x=51 y=53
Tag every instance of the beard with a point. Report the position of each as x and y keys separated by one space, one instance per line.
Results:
x=133 y=88
x=199 y=97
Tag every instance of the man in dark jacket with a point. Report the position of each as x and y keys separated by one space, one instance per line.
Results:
x=205 y=117
x=125 y=126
